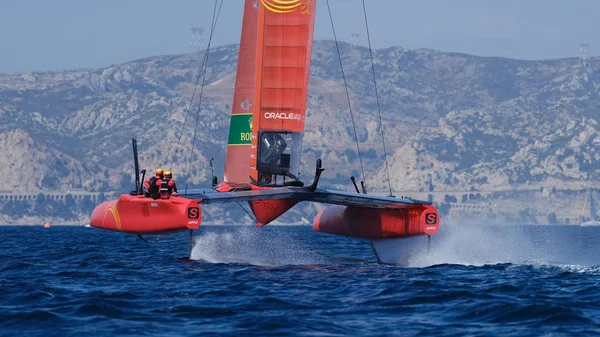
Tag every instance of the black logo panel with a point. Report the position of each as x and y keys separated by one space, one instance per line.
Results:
x=193 y=213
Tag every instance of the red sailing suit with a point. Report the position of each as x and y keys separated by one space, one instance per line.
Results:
x=167 y=186
x=155 y=187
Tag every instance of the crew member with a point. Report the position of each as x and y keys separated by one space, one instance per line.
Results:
x=265 y=179
x=168 y=186
x=152 y=184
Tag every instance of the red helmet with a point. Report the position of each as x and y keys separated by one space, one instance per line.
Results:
x=159 y=172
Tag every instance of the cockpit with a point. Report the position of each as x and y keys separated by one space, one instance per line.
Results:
x=278 y=156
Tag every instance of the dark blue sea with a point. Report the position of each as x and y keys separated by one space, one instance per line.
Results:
x=276 y=281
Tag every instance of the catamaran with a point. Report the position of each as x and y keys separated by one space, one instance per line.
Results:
x=263 y=151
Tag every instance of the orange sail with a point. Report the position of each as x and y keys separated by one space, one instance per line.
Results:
x=269 y=104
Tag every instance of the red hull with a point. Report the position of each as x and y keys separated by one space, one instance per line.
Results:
x=265 y=211
x=140 y=215
x=373 y=223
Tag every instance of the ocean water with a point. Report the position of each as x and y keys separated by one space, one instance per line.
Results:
x=275 y=281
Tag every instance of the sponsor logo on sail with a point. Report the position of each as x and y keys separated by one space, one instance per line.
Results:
x=286 y=6
x=283 y=115
x=240 y=130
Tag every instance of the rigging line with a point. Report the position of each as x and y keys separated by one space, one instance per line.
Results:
x=387 y=171
x=188 y=110
x=346 y=87
x=202 y=88
x=250 y=215
x=204 y=60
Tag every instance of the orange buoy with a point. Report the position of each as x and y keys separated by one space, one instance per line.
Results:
x=47 y=225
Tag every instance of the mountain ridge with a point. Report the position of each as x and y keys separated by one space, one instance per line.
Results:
x=452 y=121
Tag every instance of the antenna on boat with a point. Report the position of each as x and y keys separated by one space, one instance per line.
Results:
x=318 y=172
x=137 y=167
x=354 y=182
x=362 y=185
x=143 y=177
x=212 y=174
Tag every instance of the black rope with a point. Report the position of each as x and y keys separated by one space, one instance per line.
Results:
x=346 y=87
x=387 y=171
x=250 y=215
x=202 y=92
x=200 y=69
x=193 y=95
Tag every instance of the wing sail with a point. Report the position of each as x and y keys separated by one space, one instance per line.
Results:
x=269 y=105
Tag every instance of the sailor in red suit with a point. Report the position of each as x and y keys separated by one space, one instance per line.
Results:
x=168 y=186
x=152 y=184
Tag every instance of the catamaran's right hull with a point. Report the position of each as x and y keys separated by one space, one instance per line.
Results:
x=376 y=223
x=396 y=234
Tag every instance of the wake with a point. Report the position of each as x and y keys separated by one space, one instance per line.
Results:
x=482 y=244
x=254 y=246
x=570 y=247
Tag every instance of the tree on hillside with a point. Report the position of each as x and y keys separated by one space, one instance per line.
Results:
x=16 y=208
x=552 y=218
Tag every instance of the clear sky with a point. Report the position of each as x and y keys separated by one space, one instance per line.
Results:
x=39 y=35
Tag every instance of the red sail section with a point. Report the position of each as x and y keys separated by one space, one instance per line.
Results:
x=240 y=129
x=285 y=37
x=272 y=84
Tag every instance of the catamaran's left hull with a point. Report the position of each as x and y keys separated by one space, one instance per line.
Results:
x=140 y=215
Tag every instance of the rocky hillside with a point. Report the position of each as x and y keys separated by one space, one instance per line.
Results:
x=451 y=121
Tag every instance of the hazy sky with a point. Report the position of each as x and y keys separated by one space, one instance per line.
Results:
x=39 y=35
